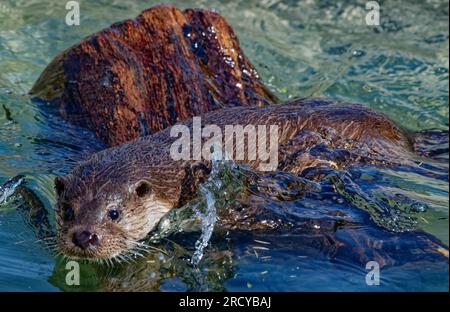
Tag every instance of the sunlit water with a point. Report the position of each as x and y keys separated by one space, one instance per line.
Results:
x=301 y=49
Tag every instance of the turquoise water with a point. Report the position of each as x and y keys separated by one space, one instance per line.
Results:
x=300 y=49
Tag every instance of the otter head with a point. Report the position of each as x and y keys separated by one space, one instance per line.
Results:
x=100 y=218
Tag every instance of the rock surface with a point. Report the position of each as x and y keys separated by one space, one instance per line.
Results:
x=140 y=76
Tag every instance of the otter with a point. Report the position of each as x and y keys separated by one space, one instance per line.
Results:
x=111 y=201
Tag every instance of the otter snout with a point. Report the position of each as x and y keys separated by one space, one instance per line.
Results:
x=85 y=239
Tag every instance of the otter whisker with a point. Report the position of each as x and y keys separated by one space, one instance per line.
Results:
x=145 y=247
x=129 y=255
x=52 y=246
x=116 y=260
x=119 y=258
x=49 y=244
x=135 y=252
x=47 y=238
x=125 y=258
x=21 y=242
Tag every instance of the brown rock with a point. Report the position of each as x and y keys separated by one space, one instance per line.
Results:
x=140 y=76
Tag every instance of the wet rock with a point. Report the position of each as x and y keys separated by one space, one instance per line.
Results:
x=140 y=76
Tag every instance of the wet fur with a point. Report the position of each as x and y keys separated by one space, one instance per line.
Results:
x=313 y=132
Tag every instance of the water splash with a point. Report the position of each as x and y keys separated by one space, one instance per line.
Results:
x=208 y=221
x=209 y=190
x=8 y=189
x=224 y=183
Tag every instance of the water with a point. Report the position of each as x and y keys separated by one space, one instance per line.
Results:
x=209 y=217
x=300 y=49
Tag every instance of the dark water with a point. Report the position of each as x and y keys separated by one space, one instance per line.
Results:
x=320 y=48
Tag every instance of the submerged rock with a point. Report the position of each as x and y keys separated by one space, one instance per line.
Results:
x=140 y=76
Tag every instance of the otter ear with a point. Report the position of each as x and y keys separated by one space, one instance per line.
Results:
x=60 y=185
x=143 y=188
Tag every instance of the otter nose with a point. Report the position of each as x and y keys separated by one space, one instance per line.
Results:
x=85 y=239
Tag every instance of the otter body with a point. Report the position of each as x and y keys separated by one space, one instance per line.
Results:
x=116 y=197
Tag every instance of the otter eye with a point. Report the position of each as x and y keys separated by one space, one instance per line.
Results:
x=113 y=214
x=67 y=212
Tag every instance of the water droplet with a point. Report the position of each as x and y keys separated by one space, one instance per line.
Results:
x=358 y=53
